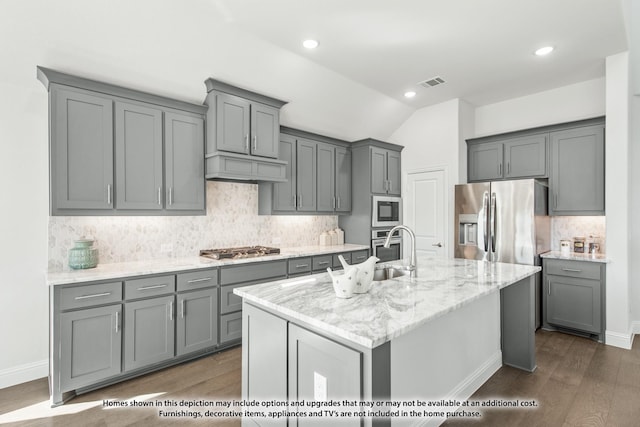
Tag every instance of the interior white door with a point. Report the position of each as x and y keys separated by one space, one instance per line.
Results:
x=426 y=211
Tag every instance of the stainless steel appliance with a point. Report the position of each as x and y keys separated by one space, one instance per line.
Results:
x=239 y=252
x=393 y=252
x=503 y=221
x=386 y=211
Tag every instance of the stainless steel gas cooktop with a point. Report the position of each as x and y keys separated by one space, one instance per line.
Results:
x=240 y=252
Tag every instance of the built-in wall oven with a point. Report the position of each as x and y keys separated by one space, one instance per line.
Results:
x=393 y=252
x=386 y=211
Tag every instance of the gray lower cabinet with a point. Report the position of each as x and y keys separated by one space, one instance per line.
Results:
x=574 y=294
x=90 y=345
x=577 y=179
x=197 y=321
x=149 y=332
x=81 y=155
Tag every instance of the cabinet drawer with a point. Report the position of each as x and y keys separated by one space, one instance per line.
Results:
x=196 y=280
x=299 y=265
x=320 y=263
x=580 y=269
x=336 y=261
x=252 y=272
x=230 y=327
x=149 y=286
x=359 y=256
x=89 y=295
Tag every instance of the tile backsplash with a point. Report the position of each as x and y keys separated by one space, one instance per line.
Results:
x=232 y=220
x=568 y=227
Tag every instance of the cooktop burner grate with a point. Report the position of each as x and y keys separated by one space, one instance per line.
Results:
x=240 y=252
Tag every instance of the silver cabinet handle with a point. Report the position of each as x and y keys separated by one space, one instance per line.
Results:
x=300 y=201
x=204 y=279
x=323 y=263
x=160 y=196
x=334 y=202
x=499 y=168
x=182 y=312
x=338 y=202
x=171 y=310
x=146 y=288
x=109 y=194
x=246 y=142
x=439 y=245
x=117 y=322
x=294 y=201
x=170 y=196
x=302 y=265
x=555 y=201
x=548 y=286
x=571 y=270
x=508 y=168
x=92 y=296
x=361 y=257
x=390 y=185
x=255 y=142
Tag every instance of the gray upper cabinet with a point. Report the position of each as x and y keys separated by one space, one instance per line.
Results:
x=265 y=130
x=81 y=138
x=284 y=193
x=485 y=162
x=577 y=178
x=91 y=120
x=326 y=178
x=343 y=179
x=184 y=162
x=306 y=175
x=385 y=171
x=232 y=123
x=138 y=156
x=526 y=157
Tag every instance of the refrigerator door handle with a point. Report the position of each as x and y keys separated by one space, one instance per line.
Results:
x=485 y=220
x=493 y=222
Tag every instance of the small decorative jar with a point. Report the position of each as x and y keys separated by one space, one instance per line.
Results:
x=83 y=255
x=325 y=239
x=578 y=244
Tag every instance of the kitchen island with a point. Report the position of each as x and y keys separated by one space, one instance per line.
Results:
x=439 y=335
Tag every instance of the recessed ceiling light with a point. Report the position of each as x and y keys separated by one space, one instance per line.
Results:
x=409 y=94
x=544 y=50
x=310 y=44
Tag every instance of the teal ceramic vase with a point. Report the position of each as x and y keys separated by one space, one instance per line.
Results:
x=83 y=255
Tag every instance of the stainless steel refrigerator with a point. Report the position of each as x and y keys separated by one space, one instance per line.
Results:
x=503 y=221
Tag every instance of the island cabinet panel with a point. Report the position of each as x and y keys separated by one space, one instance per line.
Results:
x=577 y=180
x=197 y=320
x=322 y=369
x=149 y=332
x=138 y=142
x=91 y=343
x=81 y=150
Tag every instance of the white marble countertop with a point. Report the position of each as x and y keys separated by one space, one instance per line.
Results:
x=576 y=256
x=168 y=265
x=392 y=307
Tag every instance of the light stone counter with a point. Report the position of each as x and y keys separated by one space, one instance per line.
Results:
x=169 y=265
x=391 y=308
x=575 y=256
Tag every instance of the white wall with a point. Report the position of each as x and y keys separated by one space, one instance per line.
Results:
x=564 y=104
x=167 y=47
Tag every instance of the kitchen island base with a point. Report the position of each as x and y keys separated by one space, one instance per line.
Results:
x=448 y=357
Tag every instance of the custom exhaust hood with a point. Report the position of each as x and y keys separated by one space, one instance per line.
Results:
x=243 y=135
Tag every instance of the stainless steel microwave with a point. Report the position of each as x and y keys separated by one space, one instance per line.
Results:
x=386 y=211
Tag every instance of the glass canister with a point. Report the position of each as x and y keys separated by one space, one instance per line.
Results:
x=578 y=244
x=83 y=255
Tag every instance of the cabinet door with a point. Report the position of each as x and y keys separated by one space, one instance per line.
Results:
x=148 y=332
x=232 y=123
x=91 y=344
x=284 y=192
x=485 y=161
x=378 y=170
x=264 y=350
x=526 y=157
x=197 y=321
x=343 y=180
x=321 y=369
x=574 y=303
x=184 y=162
x=326 y=178
x=577 y=172
x=394 y=176
x=138 y=157
x=306 y=175
x=265 y=130
x=81 y=150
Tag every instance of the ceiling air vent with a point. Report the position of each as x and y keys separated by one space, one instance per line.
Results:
x=433 y=81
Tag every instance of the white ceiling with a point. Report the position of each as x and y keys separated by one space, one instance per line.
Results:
x=482 y=48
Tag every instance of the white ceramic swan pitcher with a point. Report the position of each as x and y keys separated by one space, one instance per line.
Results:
x=365 y=273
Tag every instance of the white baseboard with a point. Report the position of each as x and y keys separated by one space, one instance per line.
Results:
x=23 y=373
x=618 y=339
x=635 y=327
x=468 y=386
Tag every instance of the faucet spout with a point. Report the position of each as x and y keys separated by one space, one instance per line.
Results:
x=412 y=256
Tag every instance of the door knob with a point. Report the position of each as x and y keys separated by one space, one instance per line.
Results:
x=437 y=244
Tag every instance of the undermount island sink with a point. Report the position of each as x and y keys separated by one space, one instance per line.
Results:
x=386 y=271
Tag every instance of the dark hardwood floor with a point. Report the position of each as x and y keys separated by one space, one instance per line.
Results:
x=578 y=383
